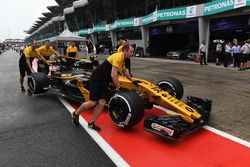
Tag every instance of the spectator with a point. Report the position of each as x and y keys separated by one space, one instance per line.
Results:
x=245 y=51
x=228 y=53
x=218 y=52
x=202 y=52
x=236 y=53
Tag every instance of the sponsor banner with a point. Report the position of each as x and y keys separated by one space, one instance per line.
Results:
x=170 y=14
x=147 y=19
x=113 y=25
x=221 y=6
x=99 y=28
x=210 y=8
x=83 y=32
x=155 y=16
x=125 y=23
x=122 y=23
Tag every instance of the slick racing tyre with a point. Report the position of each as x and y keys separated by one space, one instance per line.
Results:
x=126 y=109
x=38 y=82
x=173 y=86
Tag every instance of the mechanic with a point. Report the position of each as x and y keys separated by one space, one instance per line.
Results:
x=104 y=74
x=72 y=50
x=127 y=61
x=45 y=52
x=22 y=69
x=25 y=63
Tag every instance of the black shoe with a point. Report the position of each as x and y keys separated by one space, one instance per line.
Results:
x=29 y=93
x=218 y=64
x=75 y=119
x=22 y=89
x=93 y=126
x=241 y=69
x=206 y=64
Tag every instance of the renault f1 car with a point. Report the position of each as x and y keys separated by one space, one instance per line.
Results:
x=126 y=108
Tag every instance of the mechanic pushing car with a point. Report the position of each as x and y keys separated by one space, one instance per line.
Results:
x=45 y=52
x=25 y=63
x=104 y=74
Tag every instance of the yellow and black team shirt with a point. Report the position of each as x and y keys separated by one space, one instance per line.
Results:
x=72 y=51
x=103 y=72
x=46 y=53
x=30 y=53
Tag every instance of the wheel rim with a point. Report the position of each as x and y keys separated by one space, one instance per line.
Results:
x=118 y=111
x=168 y=88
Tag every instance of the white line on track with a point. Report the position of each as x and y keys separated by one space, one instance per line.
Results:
x=218 y=132
x=112 y=154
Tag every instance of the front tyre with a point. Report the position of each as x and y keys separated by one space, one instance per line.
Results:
x=173 y=86
x=126 y=109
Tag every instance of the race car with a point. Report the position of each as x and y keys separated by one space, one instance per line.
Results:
x=126 y=107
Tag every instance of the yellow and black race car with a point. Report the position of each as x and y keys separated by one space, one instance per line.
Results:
x=126 y=108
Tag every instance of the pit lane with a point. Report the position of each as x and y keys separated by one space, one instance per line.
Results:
x=205 y=82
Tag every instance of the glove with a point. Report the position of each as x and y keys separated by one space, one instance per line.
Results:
x=117 y=90
x=120 y=89
x=136 y=82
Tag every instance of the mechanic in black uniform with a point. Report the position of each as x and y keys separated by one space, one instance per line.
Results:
x=22 y=69
x=104 y=74
x=25 y=62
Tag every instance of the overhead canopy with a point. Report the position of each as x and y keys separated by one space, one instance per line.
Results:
x=66 y=35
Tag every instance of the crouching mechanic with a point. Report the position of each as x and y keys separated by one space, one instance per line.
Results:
x=104 y=74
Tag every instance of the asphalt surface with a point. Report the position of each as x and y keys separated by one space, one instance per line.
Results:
x=37 y=130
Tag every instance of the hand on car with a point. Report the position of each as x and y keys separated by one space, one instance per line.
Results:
x=120 y=89
x=136 y=82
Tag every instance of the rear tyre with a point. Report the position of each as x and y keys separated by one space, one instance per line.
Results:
x=38 y=82
x=126 y=109
x=173 y=86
